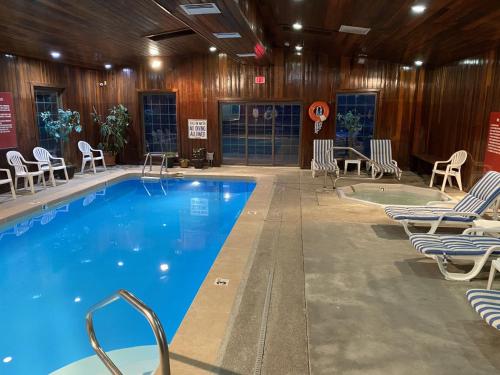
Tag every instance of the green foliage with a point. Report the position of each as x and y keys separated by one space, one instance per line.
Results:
x=113 y=129
x=67 y=122
x=351 y=122
x=199 y=153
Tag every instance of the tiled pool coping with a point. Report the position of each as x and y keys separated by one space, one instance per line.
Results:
x=197 y=344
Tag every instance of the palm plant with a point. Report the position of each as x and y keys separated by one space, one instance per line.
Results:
x=113 y=129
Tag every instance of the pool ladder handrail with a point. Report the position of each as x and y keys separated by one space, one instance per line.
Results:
x=378 y=168
x=148 y=313
x=150 y=156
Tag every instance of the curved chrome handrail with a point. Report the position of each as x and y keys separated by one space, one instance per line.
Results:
x=154 y=322
x=379 y=172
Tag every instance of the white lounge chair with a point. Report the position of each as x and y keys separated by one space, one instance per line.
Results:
x=464 y=247
x=381 y=153
x=45 y=163
x=323 y=160
x=8 y=180
x=454 y=164
x=486 y=303
x=88 y=155
x=16 y=160
x=475 y=203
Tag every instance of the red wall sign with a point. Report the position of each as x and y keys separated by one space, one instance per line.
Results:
x=7 y=121
x=492 y=155
x=260 y=80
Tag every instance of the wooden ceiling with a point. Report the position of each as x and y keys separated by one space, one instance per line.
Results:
x=92 y=32
x=447 y=31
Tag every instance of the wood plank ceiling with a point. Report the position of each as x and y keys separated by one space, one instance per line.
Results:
x=92 y=32
x=447 y=31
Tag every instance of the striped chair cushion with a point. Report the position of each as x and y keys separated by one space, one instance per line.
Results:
x=331 y=166
x=423 y=213
x=381 y=150
x=487 y=305
x=320 y=148
x=431 y=244
x=482 y=195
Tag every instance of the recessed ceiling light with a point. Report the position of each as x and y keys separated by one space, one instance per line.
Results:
x=126 y=70
x=156 y=64
x=154 y=51
x=419 y=62
x=298 y=53
x=9 y=56
x=298 y=47
x=107 y=66
x=227 y=35
x=419 y=8
x=406 y=67
x=297 y=26
x=55 y=54
x=287 y=44
x=212 y=49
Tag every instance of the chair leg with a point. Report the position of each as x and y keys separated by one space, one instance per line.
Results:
x=458 y=177
x=476 y=269
x=43 y=181
x=93 y=165
x=104 y=163
x=31 y=183
x=25 y=183
x=450 y=182
x=66 y=174
x=445 y=179
x=432 y=179
x=15 y=182
x=12 y=190
x=52 y=178
x=83 y=165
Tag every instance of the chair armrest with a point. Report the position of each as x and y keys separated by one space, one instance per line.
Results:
x=38 y=163
x=441 y=203
x=482 y=230
x=394 y=162
x=9 y=176
x=459 y=214
x=96 y=150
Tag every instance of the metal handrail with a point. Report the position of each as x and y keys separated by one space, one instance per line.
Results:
x=154 y=322
x=149 y=156
x=379 y=171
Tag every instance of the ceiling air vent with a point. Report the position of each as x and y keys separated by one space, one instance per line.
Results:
x=246 y=54
x=198 y=9
x=227 y=35
x=354 y=30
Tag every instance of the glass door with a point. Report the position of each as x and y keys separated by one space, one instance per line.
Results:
x=260 y=120
x=159 y=122
x=260 y=133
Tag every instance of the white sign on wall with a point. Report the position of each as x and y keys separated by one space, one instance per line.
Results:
x=197 y=129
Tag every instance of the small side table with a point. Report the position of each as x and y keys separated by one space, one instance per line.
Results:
x=486 y=224
x=495 y=266
x=352 y=161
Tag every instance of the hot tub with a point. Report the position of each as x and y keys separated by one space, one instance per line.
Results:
x=391 y=194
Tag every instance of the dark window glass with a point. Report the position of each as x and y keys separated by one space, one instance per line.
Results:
x=160 y=122
x=47 y=99
x=364 y=104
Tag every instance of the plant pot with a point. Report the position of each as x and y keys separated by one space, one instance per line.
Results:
x=184 y=163
x=109 y=159
x=198 y=163
x=170 y=162
x=59 y=174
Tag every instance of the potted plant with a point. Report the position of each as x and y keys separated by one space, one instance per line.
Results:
x=184 y=163
x=171 y=158
x=67 y=122
x=198 y=159
x=113 y=131
x=351 y=121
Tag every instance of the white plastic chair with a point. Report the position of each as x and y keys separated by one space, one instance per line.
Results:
x=8 y=180
x=455 y=163
x=45 y=163
x=16 y=160
x=210 y=158
x=88 y=155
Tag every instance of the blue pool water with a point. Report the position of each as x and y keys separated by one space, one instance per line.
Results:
x=156 y=240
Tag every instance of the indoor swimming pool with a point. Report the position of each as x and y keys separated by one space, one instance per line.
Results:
x=156 y=240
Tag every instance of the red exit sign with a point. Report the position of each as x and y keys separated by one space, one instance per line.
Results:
x=260 y=80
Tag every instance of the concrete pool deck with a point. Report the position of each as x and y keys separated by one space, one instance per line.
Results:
x=320 y=285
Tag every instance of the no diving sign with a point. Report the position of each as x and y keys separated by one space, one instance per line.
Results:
x=197 y=129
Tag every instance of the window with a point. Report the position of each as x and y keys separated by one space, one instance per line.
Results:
x=160 y=122
x=47 y=99
x=365 y=105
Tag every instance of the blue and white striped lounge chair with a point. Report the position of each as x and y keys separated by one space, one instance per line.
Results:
x=464 y=247
x=381 y=153
x=323 y=160
x=486 y=302
x=475 y=203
